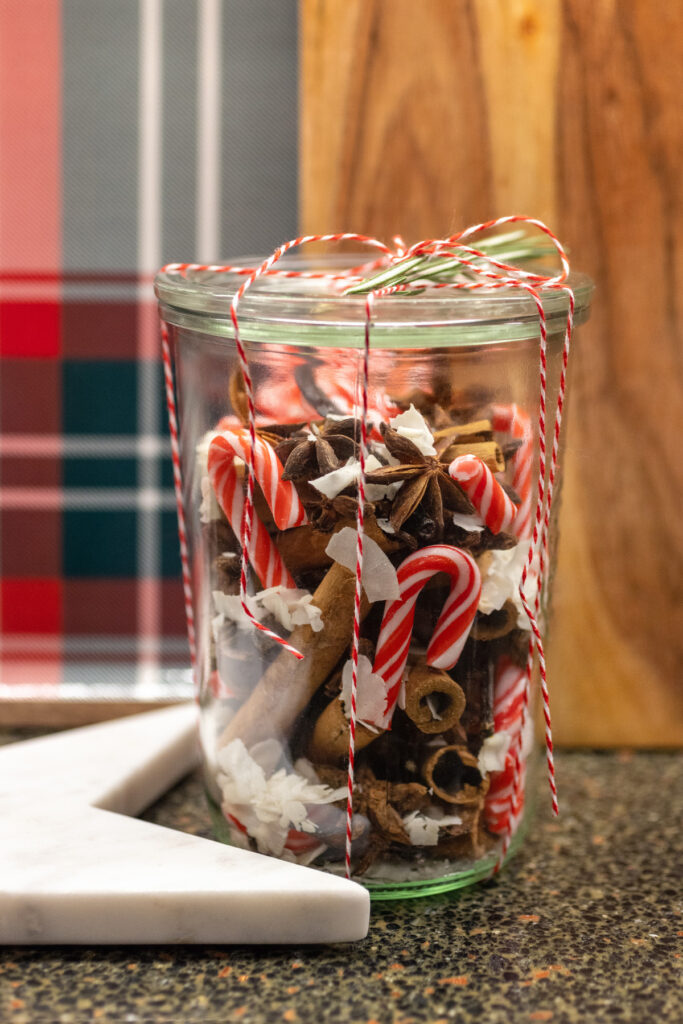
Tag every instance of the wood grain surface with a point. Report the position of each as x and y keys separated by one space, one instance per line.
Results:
x=423 y=117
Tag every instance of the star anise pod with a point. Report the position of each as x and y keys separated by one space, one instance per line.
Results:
x=305 y=458
x=427 y=489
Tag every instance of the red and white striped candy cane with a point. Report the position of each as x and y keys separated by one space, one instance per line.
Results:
x=264 y=556
x=511 y=419
x=494 y=506
x=281 y=495
x=453 y=625
x=505 y=798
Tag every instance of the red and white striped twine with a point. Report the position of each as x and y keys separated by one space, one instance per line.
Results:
x=178 y=487
x=492 y=274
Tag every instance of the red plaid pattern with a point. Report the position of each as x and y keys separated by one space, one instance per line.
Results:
x=99 y=185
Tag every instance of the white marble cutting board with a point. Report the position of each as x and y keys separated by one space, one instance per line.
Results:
x=75 y=869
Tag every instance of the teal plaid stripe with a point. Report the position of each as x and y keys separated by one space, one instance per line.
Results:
x=89 y=567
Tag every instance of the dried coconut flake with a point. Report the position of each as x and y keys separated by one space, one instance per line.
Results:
x=379 y=578
x=423 y=830
x=290 y=606
x=413 y=425
x=494 y=752
x=502 y=580
x=268 y=806
x=371 y=693
x=473 y=523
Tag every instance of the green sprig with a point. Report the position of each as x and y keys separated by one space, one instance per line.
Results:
x=508 y=247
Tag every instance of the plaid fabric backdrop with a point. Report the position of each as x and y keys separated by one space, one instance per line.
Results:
x=133 y=132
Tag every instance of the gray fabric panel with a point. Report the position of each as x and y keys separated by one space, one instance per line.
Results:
x=179 y=139
x=259 y=144
x=100 y=41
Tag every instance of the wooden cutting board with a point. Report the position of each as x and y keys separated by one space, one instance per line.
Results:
x=420 y=118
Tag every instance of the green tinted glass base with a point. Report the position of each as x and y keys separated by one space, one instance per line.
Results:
x=380 y=889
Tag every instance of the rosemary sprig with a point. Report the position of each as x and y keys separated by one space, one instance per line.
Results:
x=508 y=247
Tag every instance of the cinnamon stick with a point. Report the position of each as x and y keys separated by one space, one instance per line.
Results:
x=453 y=775
x=476 y=430
x=434 y=701
x=488 y=451
x=329 y=743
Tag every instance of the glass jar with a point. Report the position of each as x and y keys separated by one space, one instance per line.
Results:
x=443 y=743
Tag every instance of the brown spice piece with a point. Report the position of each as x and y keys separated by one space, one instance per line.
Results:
x=465 y=840
x=385 y=803
x=323 y=512
x=496 y=624
x=488 y=451
x=226 y=572
x=427 y=485
x=303 y=547
x=454 y=433
x=384 y=817
x=218 y=536
x=329 y=743
x=237 y=393
x=477 y=541
x=466 y=403
x=433 y=701
x=305 y=459
x=452 y=773
x=377 y=846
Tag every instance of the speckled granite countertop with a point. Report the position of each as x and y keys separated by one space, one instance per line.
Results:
x=585 y=925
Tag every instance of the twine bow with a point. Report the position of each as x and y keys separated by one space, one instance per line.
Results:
x=417 y=268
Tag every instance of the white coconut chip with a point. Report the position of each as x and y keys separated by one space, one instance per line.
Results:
x=291 y=607
x=379 y=578
x=331 y=484
x=493 y=752
x=370 y=693
x=473 y=523
x=412 y=424
x=423 y=830
x=502 y=580
x=268 y=806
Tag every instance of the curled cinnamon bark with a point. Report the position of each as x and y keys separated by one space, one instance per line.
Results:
x=434 y=701
x=453 y=775
x=497 y=624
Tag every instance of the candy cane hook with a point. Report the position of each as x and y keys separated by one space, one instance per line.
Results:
x=264 y=557
x=452 y=627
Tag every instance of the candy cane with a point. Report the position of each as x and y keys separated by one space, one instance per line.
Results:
x=505 y=799
x=264 y=556
x=453 y=625
x=281 y=495
x=513 y=420
x=479 y=484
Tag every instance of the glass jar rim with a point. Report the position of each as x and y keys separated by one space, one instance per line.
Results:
x=320 y=301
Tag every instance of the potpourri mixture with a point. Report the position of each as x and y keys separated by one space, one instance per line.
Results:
x=442 y=673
